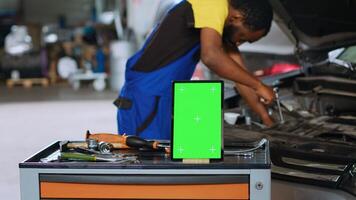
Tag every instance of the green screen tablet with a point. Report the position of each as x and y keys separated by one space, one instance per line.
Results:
x=197 y=120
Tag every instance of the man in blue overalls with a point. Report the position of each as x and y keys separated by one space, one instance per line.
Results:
x=210 y=30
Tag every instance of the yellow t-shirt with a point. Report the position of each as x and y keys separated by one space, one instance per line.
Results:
x=210 y=13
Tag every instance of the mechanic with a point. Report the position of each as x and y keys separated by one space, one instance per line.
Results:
x=210 y=30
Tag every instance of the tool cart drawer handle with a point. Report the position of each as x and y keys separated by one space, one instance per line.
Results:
x=145 y=179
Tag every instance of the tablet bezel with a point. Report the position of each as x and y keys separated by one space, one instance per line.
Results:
x=221 y=114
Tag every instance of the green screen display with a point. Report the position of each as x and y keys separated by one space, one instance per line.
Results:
x=197 y=120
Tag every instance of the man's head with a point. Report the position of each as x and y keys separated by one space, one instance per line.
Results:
x=248 y=21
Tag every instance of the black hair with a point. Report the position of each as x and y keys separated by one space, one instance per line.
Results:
x=258 y=14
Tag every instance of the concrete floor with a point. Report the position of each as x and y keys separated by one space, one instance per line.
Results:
x=30 y=119
x=59 y=92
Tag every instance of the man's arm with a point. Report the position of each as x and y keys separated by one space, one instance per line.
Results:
x=248 y=94
x=215 y=58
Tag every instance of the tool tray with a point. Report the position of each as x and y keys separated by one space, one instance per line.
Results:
x=150 y=159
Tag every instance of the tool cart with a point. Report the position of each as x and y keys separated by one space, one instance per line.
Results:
x=144 y=173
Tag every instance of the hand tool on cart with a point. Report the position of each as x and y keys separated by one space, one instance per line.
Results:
x=78 y=152
x=94 y=158
x=95 y=147
x=125 y=141
x=85 y=145
x=105 y=143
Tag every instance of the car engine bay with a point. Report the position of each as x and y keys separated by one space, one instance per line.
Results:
x=314 y=141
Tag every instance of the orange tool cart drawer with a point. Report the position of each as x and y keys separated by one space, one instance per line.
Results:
x=144 y=187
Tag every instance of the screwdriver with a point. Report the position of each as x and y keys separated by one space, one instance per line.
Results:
x=94 y=158
x=125 y=140
x=137 y=142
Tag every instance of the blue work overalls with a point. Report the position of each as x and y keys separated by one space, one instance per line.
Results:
x=145 y=106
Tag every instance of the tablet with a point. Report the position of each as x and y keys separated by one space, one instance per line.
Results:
x=197 y=120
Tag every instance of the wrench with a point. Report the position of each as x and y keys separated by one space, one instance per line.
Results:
x=281 y=117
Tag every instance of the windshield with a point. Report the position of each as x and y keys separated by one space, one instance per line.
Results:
x=349 y=55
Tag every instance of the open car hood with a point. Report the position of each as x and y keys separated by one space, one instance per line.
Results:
x=317 y=25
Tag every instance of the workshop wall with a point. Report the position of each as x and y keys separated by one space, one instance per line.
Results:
x=6 y=5
x=74 y=11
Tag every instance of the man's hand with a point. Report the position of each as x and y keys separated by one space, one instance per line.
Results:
x=266 y=94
